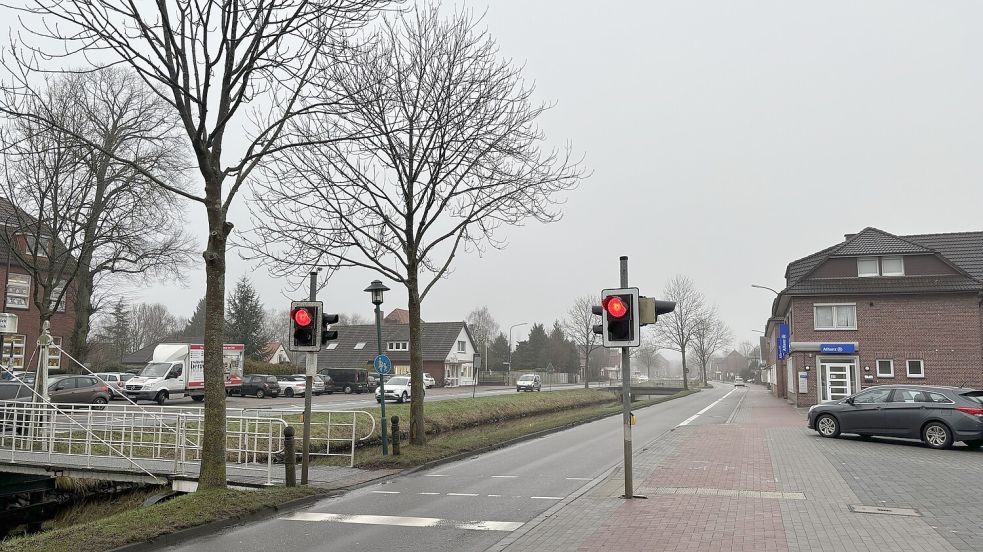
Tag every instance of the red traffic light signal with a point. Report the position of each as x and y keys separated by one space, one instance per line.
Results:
x=302 y=317
x=615 y=306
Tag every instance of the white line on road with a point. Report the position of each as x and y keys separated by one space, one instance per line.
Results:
x=505 y=476
x=494 y=496
x=462 y=494
x=433 y=494
x=406 y=521
x=548 y=497
x=713 y=404
x=435 y=475
x=579 y=479
x=386 y=492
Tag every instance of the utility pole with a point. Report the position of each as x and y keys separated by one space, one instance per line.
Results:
x=626 y=395
x=309 y=380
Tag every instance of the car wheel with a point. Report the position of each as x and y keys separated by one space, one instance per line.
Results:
x=99 y=402
x=275 y=394
x=827 y=426
x=198 y=398
x=402 y=398
x=973 y=444
x=161 y=398
x=260 y=394
x=937 y=435
x=289 y=393
x=348 y=390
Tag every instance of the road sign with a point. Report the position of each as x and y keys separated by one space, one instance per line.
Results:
x=383 y=364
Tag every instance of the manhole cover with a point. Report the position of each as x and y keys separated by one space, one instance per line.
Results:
x=860 y=509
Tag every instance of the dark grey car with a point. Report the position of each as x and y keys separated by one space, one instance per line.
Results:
x=938 y=416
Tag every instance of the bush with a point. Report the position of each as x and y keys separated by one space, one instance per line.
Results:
x=254 y=366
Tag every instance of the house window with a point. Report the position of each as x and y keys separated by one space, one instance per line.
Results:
x=836 y=317
x=398 y=346
x=54 y=355
x=55 y=294
x=885 y=368
x=867 y=266
x=34 y=248
x=18 y=290
x=360 y=345
x=13 y=351
x=462 y=347
x=892 y=266
x=916 y=369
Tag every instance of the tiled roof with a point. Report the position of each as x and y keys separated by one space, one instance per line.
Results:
x=963 y=249
x=905 y=284
x=871 y=241
x=438 y=341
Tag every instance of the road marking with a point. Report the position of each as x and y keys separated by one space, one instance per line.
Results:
x=435 y=475
x=548 y=497
x=386 y=492
x=494 y=496
x=579 y=479
x=505 y=476
x=711 y=405
x=402 y=521
x=429 y=493
x=462 y=494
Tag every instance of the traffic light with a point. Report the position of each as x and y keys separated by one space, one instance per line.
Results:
x=620 y=323
x=305 y=326
x=327 y=334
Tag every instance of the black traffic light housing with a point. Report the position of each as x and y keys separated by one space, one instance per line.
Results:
x=305 y=326
x=620 y=323
x=327 y=334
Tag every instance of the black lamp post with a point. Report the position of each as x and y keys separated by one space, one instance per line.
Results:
x=376 y=289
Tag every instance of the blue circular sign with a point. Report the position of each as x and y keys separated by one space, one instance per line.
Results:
x=383 y=364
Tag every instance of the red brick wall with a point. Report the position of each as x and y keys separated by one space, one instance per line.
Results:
x=943 y=330
x=29 y=323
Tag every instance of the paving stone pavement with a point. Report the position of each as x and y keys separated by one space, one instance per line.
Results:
x=762 y=481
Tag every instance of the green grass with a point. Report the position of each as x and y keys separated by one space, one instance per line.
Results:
x=500 y=428
x=143 y=524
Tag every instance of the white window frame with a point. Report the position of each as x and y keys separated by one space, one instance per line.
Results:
x=877 y=267
x=462 y=346
x=877 y=365
x=398 y=346
x=920 y=362
x=26 y=296
x=60 y=307
x=359 y=346
x=900 y=259
x=815 y=319
x=44 y=249
x=54 y=355
x=17 y=344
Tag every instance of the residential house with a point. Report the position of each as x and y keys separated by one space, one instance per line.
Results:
x=274 y=353
x=448 y=350
x=880 y=308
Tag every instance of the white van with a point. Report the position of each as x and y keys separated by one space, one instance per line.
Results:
x=178 y=370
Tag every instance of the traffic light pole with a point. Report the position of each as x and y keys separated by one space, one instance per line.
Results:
x=626 y=395
x=308 y=391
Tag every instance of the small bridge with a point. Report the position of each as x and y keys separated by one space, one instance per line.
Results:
x=162 y=444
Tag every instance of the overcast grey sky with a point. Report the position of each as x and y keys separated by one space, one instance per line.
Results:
x=725 y=139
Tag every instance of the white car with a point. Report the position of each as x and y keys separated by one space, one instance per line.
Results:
x=739 y=382
x=428 y=381
x=291 y=386
x=397 y=389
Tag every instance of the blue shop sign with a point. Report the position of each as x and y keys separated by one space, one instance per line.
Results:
x=837 y=348
x=783 y=341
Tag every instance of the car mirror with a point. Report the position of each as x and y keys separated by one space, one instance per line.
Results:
x=849 y=400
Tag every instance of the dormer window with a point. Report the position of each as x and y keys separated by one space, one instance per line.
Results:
x=880 y=266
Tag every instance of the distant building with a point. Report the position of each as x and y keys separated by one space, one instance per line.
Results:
x=274 y=353
x=397 y=316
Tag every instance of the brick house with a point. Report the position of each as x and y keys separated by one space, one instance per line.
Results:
x=876 y=309
x=448 y=350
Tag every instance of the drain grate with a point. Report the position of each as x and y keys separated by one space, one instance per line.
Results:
x=861 y=509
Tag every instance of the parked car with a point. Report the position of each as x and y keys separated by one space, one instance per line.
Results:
x=13 y=416
x=739 y=382
x=78 y=390
x=292 y=385
x=428 y=381
x=935 y=415
x=326 y=381
x=116 y=381
x=529 y=382
x=317 y=382
x=349 y=380
x=260 y=385
x=15 y=391
x=397 y=389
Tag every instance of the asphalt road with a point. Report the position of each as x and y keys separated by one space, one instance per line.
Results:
x=471 y=504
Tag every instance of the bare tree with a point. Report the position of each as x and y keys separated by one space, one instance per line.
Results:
x=151 y=323
x=675 y=330
x=210 y=62
x=710 y=335
x=483 y=328
x=454 y=156
x=579 y=325
x=352 y=319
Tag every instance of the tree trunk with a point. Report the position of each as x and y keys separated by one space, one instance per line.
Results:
x=78 y=345
x=685 y=371
x=417 y=432
x=704 y=374
x=213 y=472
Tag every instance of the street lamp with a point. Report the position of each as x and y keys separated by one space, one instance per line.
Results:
x=510 y=349
x=765 y=287
x=376 y=289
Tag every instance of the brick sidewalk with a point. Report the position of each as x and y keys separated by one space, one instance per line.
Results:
x=760 y=482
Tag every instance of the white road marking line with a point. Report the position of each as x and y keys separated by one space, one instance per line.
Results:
x=579 y=479
x=494 y=496
x=429 y=493
x=435 y=475
x=406 y=521
x=505 y=476
x=386 y=492
x=548 y=497
x=711 y=405
x=462 y=494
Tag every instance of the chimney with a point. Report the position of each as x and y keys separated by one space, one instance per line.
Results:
x=846 y=237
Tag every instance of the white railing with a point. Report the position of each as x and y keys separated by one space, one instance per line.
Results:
x=333 y=432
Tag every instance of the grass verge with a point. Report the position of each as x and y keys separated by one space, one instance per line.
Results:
x=146 y=523
x=476 y=436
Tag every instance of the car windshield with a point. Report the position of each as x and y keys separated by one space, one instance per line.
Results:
x=398 y=381
x=13 y=390
x=155 y=370
x=527 y=378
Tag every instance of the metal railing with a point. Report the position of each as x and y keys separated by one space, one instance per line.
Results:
x=333 y=432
